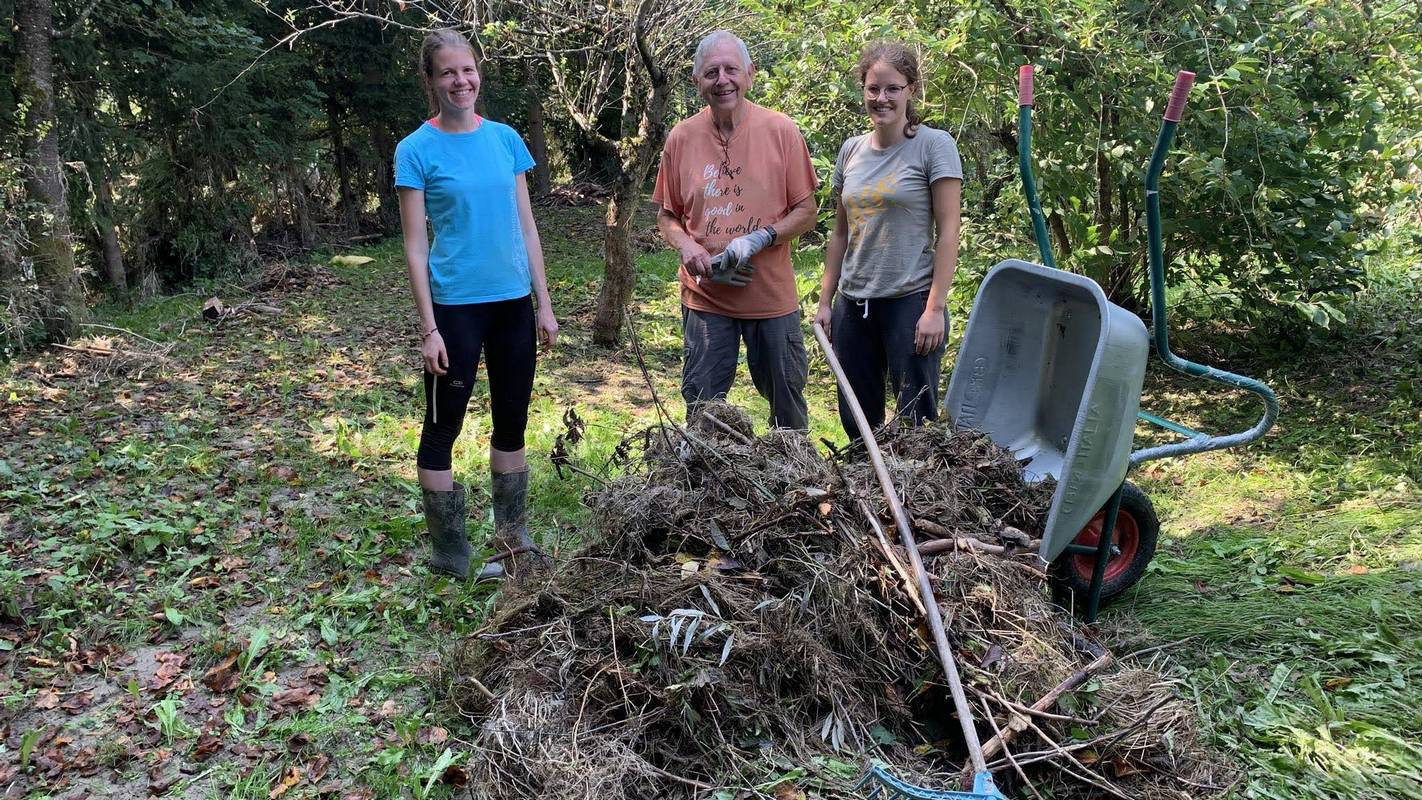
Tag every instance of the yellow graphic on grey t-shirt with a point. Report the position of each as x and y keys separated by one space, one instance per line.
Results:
x=867 y=203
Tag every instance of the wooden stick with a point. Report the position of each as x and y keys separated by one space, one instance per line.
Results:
x=932 y=528
x=1015 y=766
x=727 y=429
x=925 y=586
x=1048 y=700
x=888 y=551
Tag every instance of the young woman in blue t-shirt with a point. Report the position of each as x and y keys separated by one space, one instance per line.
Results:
x=465 y=175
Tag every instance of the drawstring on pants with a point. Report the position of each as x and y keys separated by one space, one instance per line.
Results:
x=865 y=304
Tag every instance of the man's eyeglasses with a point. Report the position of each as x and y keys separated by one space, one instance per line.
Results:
x=887 y=92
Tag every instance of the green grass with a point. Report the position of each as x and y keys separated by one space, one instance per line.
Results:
x=254 y=495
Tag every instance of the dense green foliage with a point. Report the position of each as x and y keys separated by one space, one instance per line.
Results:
x=1302 y=130
x=202 y=145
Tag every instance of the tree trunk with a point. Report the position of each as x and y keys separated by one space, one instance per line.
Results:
x=1059 y=233
x=51 y=240
x=346 y=204
x=385 y=178
x=108 y=235
x=301 y=208
x=619 y=270
x=537 y=136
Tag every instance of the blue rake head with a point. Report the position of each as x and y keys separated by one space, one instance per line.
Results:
x=879 y=783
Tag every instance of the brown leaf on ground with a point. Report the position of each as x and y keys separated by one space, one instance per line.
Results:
x=387 y=710
x=433 y=735
x=46 y=699
x=317 y=767
x=79 y=702
x=170 y=666
x=207 y=744
x=298 y=697
x=223 y=677
x=288 y=780
x=788 y=791
x=362 y=793
x=455 y=775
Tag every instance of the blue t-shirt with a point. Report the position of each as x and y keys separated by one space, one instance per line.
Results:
x=469 y=181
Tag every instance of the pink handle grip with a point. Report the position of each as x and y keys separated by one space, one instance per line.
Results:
x=1024 y=85
x=1175 y=109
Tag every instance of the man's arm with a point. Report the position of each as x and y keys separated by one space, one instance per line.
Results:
x=801 y=218
x=693 y=256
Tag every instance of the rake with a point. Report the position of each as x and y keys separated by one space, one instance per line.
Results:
x=878 y=782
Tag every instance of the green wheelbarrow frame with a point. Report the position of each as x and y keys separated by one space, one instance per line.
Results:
x=1194 y=441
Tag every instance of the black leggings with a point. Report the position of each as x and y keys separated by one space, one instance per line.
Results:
x=504 y=331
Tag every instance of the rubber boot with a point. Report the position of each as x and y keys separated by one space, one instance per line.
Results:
x=511 y=539
x=449 y=544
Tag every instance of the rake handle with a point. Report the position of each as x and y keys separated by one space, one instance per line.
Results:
x=925 y=587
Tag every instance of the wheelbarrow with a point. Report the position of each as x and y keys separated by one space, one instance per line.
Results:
x=1052 y=370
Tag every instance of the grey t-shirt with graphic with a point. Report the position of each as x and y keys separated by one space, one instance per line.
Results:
x=888 y=200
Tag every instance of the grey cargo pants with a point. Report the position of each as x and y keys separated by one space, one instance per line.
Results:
x=775 y=353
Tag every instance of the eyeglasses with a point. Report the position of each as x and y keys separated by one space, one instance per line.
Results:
x=887 y=92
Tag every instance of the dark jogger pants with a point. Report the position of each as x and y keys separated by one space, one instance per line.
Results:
x=874 y=338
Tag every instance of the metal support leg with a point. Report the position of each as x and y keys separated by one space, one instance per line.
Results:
x=1103 y=554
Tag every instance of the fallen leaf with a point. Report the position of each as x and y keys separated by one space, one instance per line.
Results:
x=46 y=699
x=223 y=677
x=387 y=710
x=207 y=744
x=455 y=775
x=288 y=780
x=434 y=735
x=316 y=768
x=299 y=697
x=170 y=666
x=78 y=702
x=788 y=791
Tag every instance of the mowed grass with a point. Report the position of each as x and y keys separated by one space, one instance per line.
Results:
x=253 y=495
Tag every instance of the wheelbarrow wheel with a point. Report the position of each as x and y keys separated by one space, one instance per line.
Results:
x=1137 y=529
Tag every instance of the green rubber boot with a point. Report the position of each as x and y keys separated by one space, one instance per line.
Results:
x=511 y=539
x=449 y=544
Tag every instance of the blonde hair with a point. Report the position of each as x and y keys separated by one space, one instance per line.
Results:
x=904 y=61
x=433 y=42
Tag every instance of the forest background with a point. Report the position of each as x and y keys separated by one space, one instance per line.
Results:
x=148 y=146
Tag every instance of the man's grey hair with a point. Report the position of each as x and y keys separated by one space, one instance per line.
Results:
x=709 y=41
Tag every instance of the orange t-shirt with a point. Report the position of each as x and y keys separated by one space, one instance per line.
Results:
x=720 y=190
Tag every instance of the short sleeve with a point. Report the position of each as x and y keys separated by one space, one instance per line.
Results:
x=800 y=177
x=409 y=172
x=667 y=191
x=840 y=164
x=943 y=160
x=523 y=160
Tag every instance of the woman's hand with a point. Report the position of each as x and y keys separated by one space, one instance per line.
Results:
x=822 y=319
x=435 y=357
x=547 y=328
x=929 y=333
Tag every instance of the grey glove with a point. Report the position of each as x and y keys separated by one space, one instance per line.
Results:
x=729 y=275
x=741 y=248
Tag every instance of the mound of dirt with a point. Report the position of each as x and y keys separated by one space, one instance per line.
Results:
x=733 y=616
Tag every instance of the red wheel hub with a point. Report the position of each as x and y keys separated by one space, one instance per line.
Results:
x=1126 y=537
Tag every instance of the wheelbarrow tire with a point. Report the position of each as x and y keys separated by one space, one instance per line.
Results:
x=1137 y=529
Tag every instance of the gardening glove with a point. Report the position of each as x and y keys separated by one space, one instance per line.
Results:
x=729 y=275
x=738 y=253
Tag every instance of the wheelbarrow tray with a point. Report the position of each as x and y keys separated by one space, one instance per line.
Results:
x=1052 y=371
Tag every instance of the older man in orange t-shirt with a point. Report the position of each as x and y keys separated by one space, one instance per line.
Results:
x=735 y=186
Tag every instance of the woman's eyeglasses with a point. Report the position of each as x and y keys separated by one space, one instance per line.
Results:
x=886 y=92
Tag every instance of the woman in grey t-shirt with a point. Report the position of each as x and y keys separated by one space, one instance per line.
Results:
x=895 y=187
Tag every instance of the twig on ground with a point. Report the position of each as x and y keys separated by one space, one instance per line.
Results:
x=1048 y=700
